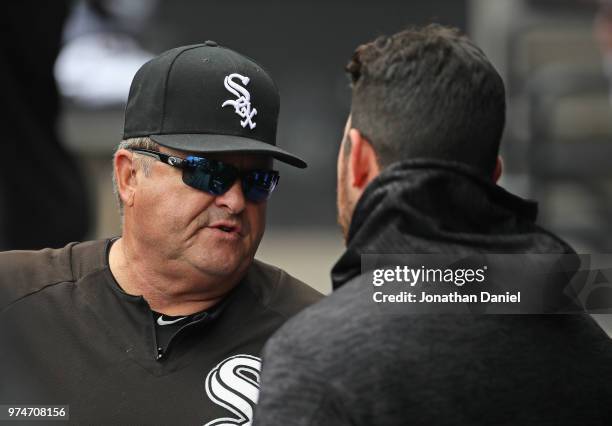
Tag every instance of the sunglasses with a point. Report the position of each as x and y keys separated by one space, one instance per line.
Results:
x=216 y=177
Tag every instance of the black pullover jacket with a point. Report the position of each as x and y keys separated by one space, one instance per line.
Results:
x=344 y=361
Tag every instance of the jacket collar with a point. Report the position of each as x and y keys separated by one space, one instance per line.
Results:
x=435 y=206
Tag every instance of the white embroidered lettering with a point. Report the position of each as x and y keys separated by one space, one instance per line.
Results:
x=242 y=103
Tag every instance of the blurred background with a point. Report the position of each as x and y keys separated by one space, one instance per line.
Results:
x=67 y=66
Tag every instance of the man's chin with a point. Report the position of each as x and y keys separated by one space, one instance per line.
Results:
x=222 y=260
x=223 y=270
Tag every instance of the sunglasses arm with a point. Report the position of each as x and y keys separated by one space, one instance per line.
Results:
x=148 y=154
x=164 y=158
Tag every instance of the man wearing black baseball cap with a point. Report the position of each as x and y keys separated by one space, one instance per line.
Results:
x=164 y=324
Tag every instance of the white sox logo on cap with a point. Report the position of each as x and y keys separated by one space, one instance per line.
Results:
x=170 y=102
x=242 y=103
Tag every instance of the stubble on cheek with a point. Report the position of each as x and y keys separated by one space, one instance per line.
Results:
x=344 y=212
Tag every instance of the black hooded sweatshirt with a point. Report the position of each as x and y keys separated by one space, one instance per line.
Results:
x=343 y=362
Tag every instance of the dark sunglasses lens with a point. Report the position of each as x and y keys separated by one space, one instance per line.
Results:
x=223 y=178
x=258 y=185
x=214 y=182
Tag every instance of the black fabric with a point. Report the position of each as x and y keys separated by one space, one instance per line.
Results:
x=165 y=333
x=69 y=335
x=432 y=206
x=345 y=361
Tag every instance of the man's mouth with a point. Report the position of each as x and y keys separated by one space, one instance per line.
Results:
x=227 y=227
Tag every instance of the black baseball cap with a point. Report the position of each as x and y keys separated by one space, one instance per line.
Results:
x=206 y=98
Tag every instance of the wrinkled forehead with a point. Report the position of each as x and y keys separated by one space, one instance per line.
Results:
x=241 y=160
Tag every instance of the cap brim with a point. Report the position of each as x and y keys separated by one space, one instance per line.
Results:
x=206 y=143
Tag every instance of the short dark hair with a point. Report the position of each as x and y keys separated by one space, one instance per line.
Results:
x=428 y=93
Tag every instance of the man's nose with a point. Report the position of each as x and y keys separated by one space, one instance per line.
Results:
x=233 y=199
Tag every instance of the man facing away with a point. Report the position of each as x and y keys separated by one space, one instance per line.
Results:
x=416 y=174
x=165 y=324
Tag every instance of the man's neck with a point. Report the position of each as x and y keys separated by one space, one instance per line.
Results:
x=167 y=290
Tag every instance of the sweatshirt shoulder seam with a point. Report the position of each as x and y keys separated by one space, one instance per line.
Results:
x=267 y=306
x=46 y=287
x=32 y=293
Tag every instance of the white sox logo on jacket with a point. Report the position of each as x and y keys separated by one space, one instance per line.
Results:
x=242 y=103
x=234 y=385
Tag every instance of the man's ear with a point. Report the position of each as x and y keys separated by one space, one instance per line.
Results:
x=125 y=175
x=363 y=164
x=499 y=168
